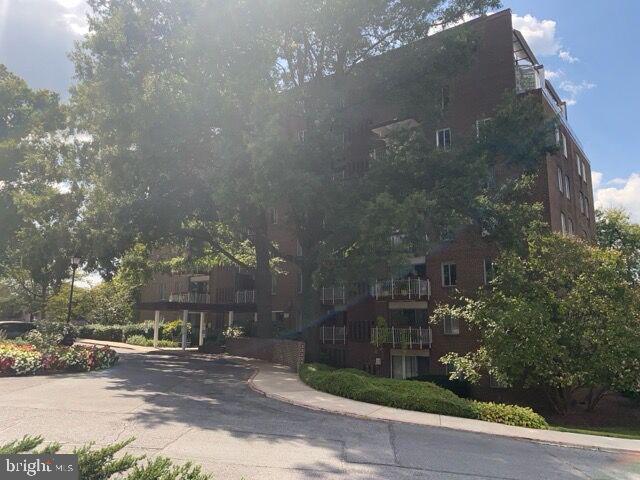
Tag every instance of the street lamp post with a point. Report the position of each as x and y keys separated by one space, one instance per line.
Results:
x=75 y=262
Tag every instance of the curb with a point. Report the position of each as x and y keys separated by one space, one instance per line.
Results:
x=567 y=444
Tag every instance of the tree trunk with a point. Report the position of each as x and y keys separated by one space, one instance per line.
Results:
x=595 y=395
x=559 y=399
x=263 y=283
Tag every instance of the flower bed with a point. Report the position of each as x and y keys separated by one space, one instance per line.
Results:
x=26 y=359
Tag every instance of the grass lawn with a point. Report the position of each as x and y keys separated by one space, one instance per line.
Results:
x=617 y=432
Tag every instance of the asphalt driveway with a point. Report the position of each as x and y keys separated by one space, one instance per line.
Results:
x=202 y=409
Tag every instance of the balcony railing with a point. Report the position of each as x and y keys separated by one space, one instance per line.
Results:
x=405 y=288
x=190 y=297
x=402 y=337
x=333 y=295
x=333 y=335
x=246 y=296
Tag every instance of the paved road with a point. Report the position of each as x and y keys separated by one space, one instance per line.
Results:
x=203 y=410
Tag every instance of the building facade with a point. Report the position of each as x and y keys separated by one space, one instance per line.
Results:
x=382 y=326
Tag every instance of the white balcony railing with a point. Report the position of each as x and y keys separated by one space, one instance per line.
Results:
x=333 y=295
x=333 y=335
x=405 y=288
x=402 y=337
x=190 y=297
x=246 y=296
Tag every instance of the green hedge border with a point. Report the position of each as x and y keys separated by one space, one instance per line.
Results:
x=411 y=395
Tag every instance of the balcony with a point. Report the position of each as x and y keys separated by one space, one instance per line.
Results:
x=402 y=289
x=333 y=295
x=189 y=297
x=333 y=335
x=246 y=296
x=402 y=337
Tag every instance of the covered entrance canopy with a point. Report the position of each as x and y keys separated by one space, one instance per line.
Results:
x=192 y=307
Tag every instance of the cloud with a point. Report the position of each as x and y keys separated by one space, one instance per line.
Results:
x=541 y=37
x=35 y=37
x=567 y=57
x=553 y=74
x=618 y=193
x=575 y=89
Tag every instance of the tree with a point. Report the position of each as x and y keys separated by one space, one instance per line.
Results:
x=175 y=96
x=39 y=205
x=565 y=317
x=615 y=230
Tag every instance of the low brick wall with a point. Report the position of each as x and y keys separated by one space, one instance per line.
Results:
x=283 y=352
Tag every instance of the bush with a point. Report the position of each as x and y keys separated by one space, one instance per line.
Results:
x=57 y=332
x=148 y=342
x=173 y=330
x=412 y=395
x=102 y=464
x=509 y=415
x=115 y=333
x=25 y=359
x=459 y=387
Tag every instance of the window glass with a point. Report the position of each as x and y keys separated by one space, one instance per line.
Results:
x=449 y=274
x=443 y=138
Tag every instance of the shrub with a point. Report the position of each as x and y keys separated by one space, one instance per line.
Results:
x=25 y=359
x=173 y=330
x=412 y=395
x=116 y=333
x=509 y=415
x=109 y=462
x=148 y=342
x=57 y=332
x=233 y=332
x=459 y=387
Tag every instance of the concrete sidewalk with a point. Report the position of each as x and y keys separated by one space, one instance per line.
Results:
x=279 y=382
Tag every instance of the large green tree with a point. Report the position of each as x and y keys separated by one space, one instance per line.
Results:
x=39 y=201
x=177 y=96
x=564 y=317
x=614 y=229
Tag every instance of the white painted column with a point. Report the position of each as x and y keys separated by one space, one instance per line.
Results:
x=185 y=317
x=202 y=319
x=231 y=318
x=156 y=328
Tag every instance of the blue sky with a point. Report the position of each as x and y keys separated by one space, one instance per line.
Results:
x=589 y=47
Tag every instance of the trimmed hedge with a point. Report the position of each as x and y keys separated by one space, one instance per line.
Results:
x=459 y=387
x=410 y=395
x=115 y=333
x=148 y=342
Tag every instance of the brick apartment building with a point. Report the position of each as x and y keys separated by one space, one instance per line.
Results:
x=402 y=345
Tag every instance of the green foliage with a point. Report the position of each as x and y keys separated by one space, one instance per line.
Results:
x=615 y=230
x=148 y=342
x=111 y=462
x=115 y=333
x=412 y=395
x=173 y=330
x=564 y=317
x=509 y=415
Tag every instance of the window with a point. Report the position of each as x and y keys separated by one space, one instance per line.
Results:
x=298 y=249
x=569 y=226
x=273 y=216
x=560 y=177
x=579 y=165
x=584 y=173
x=274 y=284
x=443 y=138
x=586 y=206
x=404 y=366
x=563 y=223
x=300 y=282
x=444 y=97
x=449 y=274
x=567 y=187
x=581 y=202
x=301 y=135
x=481 y=126
x=563 y=145
x=451 y=326
x=488 y=270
